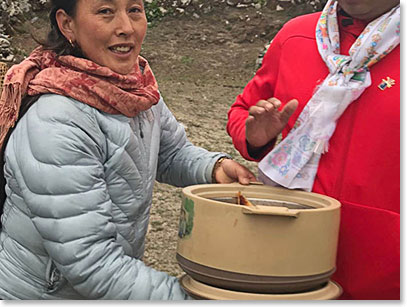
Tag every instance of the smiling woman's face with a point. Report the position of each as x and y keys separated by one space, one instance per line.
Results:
x=108 y=32
x=367 y=10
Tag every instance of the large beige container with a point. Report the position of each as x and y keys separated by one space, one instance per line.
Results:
x=270 y=249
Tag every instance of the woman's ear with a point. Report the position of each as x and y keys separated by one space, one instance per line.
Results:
x=65 y=25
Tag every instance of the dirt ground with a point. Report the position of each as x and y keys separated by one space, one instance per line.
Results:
x=201 y=65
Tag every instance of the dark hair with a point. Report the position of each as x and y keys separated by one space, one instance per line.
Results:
x=55 y=40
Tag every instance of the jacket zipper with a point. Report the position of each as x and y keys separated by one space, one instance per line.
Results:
x=52 y=280
x=53 y=277
x=144 y=157
x=140 y=128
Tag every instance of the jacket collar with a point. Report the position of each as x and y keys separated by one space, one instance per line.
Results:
x=349 y=24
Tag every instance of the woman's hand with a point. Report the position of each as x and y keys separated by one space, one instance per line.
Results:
x=265 y=121
x=230 y=171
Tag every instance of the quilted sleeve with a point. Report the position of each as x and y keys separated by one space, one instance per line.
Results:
x=180 y=163
x=60 y=153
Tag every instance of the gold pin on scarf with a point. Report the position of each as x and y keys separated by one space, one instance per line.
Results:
x=386 y=83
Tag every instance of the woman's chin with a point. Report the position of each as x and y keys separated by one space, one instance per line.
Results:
x=122 y=69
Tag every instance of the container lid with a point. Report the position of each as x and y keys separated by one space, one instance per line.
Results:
x=263 y=202
x=261 y=195
x=203 y=291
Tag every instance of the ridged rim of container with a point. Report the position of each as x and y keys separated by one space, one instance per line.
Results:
x=203 y=191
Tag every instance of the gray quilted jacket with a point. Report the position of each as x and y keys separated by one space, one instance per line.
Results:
x=79 y=191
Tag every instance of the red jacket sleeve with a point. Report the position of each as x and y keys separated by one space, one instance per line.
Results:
x=260 y=87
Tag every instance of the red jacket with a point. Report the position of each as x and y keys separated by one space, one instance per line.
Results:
x=362 y=167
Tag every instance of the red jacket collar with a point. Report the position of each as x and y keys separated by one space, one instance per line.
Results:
x=350 y=25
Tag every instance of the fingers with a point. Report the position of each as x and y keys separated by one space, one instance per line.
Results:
x=257 y=111
x=242 y=174
x=246 y=177
x=232 y=171
x=275 y=102
x=265 y=106
x=272 y=105
x=289 y=109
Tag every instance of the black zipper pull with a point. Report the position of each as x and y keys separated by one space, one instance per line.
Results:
x=54 y=278
x=141 y=129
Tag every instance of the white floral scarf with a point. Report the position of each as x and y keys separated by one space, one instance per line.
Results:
x=293 y=163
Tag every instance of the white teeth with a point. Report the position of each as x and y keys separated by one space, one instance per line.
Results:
x=121 y=49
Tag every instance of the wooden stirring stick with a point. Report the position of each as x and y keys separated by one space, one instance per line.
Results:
x=242 y=200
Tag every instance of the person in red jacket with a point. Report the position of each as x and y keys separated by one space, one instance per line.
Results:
x=330 y=85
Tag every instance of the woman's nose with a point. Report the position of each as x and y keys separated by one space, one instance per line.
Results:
x=124 y=25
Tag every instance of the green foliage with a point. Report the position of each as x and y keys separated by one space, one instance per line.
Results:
x=261 y=2
x=11 y=16
x=186 y=60
x=155 y=11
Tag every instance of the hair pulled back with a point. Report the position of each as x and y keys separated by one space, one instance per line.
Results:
x=55 y=40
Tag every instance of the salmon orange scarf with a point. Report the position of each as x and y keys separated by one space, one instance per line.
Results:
x=81 y=79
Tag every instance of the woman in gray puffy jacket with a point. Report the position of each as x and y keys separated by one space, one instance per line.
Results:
x=85 y=134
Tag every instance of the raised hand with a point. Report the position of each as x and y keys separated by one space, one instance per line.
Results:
x=265 y=121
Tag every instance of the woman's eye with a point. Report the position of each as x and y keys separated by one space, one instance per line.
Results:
x=105 y=11
x=135 y=10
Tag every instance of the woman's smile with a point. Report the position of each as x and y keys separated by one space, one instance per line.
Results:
x=122 y=51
